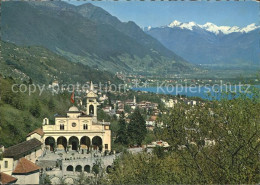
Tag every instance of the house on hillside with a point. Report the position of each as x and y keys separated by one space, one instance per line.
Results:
x=17 y=162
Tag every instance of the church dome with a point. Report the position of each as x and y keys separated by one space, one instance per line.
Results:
x=73 y=109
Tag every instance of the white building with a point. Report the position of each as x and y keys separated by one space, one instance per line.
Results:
x=78 y=130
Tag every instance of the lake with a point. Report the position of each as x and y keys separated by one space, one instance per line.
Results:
x=201 y=91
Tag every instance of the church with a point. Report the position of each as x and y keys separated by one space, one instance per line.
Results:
x=78 y=130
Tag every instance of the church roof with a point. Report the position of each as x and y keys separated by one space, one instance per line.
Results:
x=73 y=109
x=6 y=179
x=37 y=131
x=91 y=94
x=21 y=148
x=25 y=166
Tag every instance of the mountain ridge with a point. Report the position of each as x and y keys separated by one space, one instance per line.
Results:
x=46 y=66
x=209 y=27
x=61 y=28
x=200 y=46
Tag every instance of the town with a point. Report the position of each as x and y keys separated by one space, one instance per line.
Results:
x=75 y=142
x=108 y=92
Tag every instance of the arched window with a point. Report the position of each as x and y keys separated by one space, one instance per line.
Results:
x=78 y=168
x=87 y=168
x=45 y=121
x=70 y=168
x=91 y=109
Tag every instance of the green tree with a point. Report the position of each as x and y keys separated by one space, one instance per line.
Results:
x=45 y=179
x=143 y=168
x=35 y=109
x=121 y=136
x=136 y=129
x=98 y=172
x=213 y=143
x=51 y=104
x=83 y=179
x=217 y=142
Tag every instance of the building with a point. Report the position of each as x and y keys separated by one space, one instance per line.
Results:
x=170 y=103
x=38 y=134
x=151 y=121
x=159 y=143
x=17 y=165
x=26 y=172
x=132 y=104
x=30 y=150
x=78 y=130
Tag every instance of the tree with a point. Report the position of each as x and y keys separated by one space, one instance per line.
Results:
x=121 y=136
x=214 y=143
x=35 y=109
x=82 y=179
x=51 y=104
x=218 y=141
x=30 y=81
x=45 y=179
x=136 y=129
x=98 y=172
x=143 y=168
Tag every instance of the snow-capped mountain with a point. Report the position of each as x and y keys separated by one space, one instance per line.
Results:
x=212 y=27
x=209 y=43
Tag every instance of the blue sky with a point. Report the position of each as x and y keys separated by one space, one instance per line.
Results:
x=158 y=13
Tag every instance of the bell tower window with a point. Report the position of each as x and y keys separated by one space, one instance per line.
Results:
x=91 y=109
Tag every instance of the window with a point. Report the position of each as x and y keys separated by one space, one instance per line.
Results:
x=85 y=127
x=61 y=126
x=74 y=124
x=106 y=146
x=6 y=164
x=91 y=109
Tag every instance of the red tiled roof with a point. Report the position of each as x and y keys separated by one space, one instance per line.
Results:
x=37 y=131
x=6 y=179
x=25 y=166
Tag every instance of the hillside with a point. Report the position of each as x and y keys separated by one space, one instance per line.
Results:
x=21 y=113
x=83 y=37
x=211 y=45
x=44 y=66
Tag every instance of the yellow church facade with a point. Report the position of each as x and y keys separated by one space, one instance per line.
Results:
x=78 y=130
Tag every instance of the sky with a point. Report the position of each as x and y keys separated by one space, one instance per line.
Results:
x=161 y=13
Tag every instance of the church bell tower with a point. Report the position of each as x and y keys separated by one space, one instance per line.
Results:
x=91 y=107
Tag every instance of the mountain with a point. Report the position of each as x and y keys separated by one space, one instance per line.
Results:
x=213 y=28
x=89 y=35
x=211 y=44
x=43 y=66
